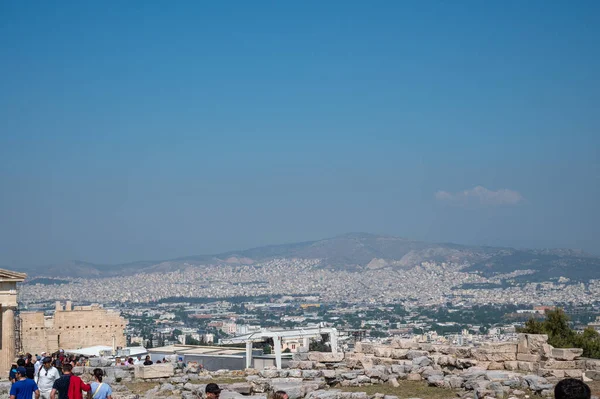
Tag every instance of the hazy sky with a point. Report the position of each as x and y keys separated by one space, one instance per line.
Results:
x=153 y=129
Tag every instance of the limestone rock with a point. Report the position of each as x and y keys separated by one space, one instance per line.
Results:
x=325 y=357
x=162 y=370
x=412 y=354
x=558 y=364
x=566 y=354
x=528 y=357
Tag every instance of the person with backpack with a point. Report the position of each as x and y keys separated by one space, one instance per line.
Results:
x=100 y=390
x=69 y=386
x=12 y=375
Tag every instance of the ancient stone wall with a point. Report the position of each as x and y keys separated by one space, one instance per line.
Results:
x=80 y=327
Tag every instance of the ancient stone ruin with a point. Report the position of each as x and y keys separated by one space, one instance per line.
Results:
x=494 y=370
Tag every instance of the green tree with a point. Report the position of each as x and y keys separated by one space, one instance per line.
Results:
x=560 y=334
x=191 y=341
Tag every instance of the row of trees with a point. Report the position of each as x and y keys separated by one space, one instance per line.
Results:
x=560 y=335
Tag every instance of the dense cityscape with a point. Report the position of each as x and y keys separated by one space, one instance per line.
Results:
x=203 y=304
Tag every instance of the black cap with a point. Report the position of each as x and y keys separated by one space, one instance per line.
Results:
x=47 y=360
x=212 y=388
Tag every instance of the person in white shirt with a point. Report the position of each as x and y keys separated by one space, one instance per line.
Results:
x=38 y=364
x=45 y=378
x=138 y=360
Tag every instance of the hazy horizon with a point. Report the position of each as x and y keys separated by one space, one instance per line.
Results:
x=147 y=133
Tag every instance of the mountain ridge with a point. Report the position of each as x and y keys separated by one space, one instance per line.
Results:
x=360 y=251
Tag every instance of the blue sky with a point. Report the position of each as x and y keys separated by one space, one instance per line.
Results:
x=151 y=130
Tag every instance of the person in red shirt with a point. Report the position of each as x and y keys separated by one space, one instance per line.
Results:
x=69 y=386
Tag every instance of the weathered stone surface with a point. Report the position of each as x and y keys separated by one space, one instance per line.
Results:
x=162 y=370
x=325 y=357
x=401 y=343
x=593 y=375
x=496 y=366
x=311 y=373
x=531 y=343
x=566 y=354
x=527 y=366
x=399 y=353
x=411 y=354
x=421 y=361
x=364 y=347
x=590 y=364
x=537 y=383
x=294 y=373
x=382 y=351
x=269 y=373
x=501 y=347
x=557 y=364
x=528 y=357
x=300 y=356
x=413 y=377
x=491 y=356
x=511 y=365
x=198 y=388
x=573 y=373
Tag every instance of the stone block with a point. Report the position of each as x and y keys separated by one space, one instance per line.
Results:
x=500 y=347
x=399 y=353
x=528 y=357
x=414 y=377
x=590 y=364
x=411 y=354
x=548 y=373
x=522 y=343
x=558 y=364
x=326 y=357
x=244 y=388
x=511 y=365
x=487 y=355
x=496 y=366
x=401 y=343
x=573 y=373
x=592 y=375
x=566 y=354
x=295 y=373
x=536 y=341
x=162 y=370
x=461 y=351
x=382 y=351
x=310 y=374
x=527 y=366
x=364 y=347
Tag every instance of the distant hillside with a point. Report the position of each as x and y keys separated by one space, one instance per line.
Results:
x=361 y=251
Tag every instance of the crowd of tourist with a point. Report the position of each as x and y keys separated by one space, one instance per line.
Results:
x=50 y=377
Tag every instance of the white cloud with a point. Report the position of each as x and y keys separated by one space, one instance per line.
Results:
x=482 y=196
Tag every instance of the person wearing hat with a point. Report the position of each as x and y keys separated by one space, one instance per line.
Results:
x=24 y=388
x=40 y=361
x=212 y=391
x=45 y=377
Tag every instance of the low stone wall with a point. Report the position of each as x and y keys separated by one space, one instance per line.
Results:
x=530 y=354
